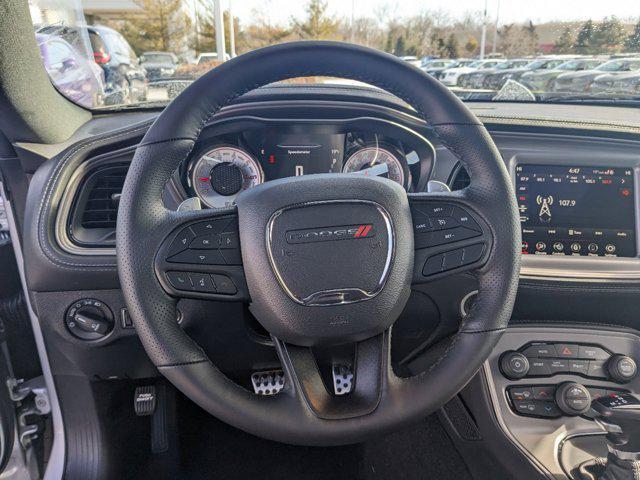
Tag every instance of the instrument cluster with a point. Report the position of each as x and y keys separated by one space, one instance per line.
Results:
x=225 y=165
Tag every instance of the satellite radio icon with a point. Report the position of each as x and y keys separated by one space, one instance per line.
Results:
x=545 y=211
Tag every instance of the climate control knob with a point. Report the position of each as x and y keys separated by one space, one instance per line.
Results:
x=621 y=368
x=572 y=398
x=514 y=365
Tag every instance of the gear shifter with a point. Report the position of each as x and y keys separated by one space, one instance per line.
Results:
x=619 y=415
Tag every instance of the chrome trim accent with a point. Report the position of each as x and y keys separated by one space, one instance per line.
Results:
x=341 y=296
x=463 y=312
x=55 y=466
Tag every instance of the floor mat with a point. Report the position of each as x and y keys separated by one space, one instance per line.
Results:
x=213 y=450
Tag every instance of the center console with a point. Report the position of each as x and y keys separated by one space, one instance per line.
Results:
x=542 y=381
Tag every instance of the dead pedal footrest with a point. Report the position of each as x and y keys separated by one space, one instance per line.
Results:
x=269 y=382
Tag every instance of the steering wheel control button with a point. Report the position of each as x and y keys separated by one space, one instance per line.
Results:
x=435 y=209
x=442 y=223
x=223 y=284
x=181 y=242
x=464 y=219
x=572 y=398
x=179 y=280
x=213 y=226
x=199 y=257
x=459 y=257
x=514 y=365
x=229 y=240
x=207 y=242
x=202 y=283
x=622 y=369
x=453 y=259
x=89 y=319
x=433 y=265
x=472 y=253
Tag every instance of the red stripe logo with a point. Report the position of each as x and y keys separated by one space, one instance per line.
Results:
x=363 y=231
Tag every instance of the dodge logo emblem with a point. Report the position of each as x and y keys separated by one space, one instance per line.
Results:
x=327 y=234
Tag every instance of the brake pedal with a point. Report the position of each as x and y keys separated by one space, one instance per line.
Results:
x=342 y=379
x=269 y=382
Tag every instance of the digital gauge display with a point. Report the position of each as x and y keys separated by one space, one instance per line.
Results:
x=576 y=210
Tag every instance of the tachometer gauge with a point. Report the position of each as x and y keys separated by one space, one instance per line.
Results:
x=376 y=161
x=221 y=173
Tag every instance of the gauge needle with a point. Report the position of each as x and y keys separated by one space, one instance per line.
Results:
x=374 y=171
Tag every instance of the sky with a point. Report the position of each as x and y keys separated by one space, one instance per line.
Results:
x=510 y=10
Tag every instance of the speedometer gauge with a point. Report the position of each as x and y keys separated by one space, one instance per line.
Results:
x=376 y=161
x=220 y=174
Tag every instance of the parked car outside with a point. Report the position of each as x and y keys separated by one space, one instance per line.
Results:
x=621 y=84
x=159 y=65
x=578 y=82
x=210 y=57
x=436 y=66
x=76 y=77
x=412 y=59
x=476 y=79
x=495 y=81
x=451 y=76
x=542 y=80
x=125 y=78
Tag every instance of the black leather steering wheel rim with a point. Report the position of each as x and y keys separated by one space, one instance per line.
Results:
x=143 y=223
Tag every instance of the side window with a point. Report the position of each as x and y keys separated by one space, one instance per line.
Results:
x=58 y=53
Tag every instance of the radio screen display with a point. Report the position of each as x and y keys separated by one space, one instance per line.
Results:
x=573 y=210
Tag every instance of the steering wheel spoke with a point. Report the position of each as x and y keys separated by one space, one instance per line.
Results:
x=201 y=257
x=450 y=236
x=369 y=366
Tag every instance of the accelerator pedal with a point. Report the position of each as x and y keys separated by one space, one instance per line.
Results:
x=269 y=382
x=342 y=379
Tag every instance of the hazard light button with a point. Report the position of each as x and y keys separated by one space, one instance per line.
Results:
x=565 y=350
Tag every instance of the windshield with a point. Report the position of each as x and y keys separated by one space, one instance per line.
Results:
x=106 y=54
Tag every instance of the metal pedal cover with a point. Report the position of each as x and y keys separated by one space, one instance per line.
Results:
x=342 y=379
x=269 y=382
x=144 y=400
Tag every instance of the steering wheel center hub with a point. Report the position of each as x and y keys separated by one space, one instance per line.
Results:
x=325 y=266
x=331 y=252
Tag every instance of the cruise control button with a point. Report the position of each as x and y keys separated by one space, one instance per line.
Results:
x=181 y=242
x=579 y=366
x=433 y=265
x=435 y=209
x=592 y=353
x=567 y=350
x=542 y=351
x=224 y=284
x=449 y=236
x=518 y=394
x=179 y=280
x=442 y=223
x=464 y=219
x=597 y=369
x=421 y=223
x=539 y=367
x=543 y=393
x=202 y=283
x=199 y=257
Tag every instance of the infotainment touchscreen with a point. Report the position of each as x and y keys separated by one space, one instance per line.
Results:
x=576 y=210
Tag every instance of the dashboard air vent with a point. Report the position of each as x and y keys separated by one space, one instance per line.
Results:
x=101 y=207
x=459 y=178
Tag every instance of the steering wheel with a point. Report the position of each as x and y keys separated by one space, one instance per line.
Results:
x=322 y=259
